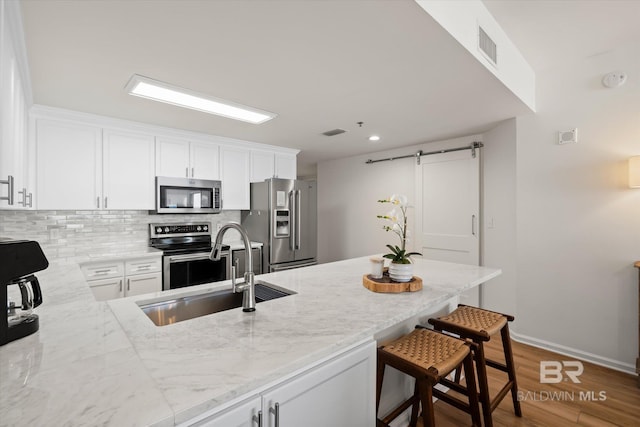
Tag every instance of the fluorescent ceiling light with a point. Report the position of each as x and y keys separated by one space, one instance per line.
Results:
x=145 y=87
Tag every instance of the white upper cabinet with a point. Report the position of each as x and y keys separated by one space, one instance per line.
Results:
x=185 y=159
x=15 y=191
x=204 y=160
x=262 y=165
x=268 y=164
x=235 y=174
x=128 y=170
x=69 y=165
x=79 y=169
x=84 y=162
x=285 y=166
x=172 y=157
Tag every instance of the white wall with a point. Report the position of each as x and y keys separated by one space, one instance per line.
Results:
x=348 y=191
x=499 y=242
x=578 y=224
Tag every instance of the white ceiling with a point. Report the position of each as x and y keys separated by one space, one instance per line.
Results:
x=319 y=65
x=551 y=32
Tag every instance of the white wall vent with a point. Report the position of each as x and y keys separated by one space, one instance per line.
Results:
x=334 y=132
x=487 y=46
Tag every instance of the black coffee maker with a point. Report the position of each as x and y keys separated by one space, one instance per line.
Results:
x=19 y=259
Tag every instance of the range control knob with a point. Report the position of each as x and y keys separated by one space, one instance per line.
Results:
x=166 y=229
x=199 y=228
x=158 y=229
x=205 y=227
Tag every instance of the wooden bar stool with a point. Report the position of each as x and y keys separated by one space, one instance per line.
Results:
x=428 y=356
x=478 y=325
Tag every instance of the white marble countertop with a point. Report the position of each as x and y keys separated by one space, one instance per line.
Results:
x=96 y=363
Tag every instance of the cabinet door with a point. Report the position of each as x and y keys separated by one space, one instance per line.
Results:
x=234 y=168
x=69 y=165
x=240 y=415
x=106 y=289
x=205 y=162
x=143 y=284
x=285 y=166
x=172 y=157
x=13 y=113
x=262 y=165
x=129 y=170
x=340 y=392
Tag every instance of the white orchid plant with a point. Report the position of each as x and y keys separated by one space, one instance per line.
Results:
x=398 y=218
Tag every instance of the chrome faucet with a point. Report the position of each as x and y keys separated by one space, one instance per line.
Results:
x=247 y=287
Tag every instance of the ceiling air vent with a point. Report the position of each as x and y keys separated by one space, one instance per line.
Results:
x=487 y=46
x=333 y=132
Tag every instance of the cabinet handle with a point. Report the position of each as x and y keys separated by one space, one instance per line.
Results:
x=30 y=197
x=9 y=196
x=186 y=172
x=120 y=285
x=24 y=197
x=258 y=418
x=473 y=225
x=105 y=202
x=193 y=174
x=100 y=272
x=128 y=285
x=98 y=202
x=276 y=412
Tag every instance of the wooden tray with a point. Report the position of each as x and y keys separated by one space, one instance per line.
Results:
x=386 y=285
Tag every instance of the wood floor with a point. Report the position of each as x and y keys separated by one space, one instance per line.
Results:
x=556 y=405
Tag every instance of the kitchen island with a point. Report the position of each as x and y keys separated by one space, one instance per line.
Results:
x=108 y=364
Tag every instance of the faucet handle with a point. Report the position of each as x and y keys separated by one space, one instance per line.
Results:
x=233 y=277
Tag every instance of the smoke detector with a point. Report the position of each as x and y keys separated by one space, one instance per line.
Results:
x=614 y=79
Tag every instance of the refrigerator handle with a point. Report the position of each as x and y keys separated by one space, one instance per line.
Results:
x=298 y=218
x=292 y=220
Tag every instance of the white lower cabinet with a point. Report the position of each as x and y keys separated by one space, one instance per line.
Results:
x=338 y=392
x=117 y=279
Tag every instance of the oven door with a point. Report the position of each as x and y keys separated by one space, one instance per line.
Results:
x=194 y=269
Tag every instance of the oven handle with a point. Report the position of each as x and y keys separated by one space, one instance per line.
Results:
x=192 y=257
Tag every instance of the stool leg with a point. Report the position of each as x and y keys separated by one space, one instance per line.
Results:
x=415 y=408
x=472 y=390
x=511 y=369
x=426 y=396
x=485 y=398
x=379 y=378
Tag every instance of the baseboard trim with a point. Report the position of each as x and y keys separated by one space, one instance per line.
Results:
x=572 y=352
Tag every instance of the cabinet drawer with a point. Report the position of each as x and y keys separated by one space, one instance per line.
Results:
x=142 y=265
x=106 y=289
x=102 y=270
x=143 y=284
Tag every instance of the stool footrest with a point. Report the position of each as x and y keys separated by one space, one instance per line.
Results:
x=501 y=394
x=497 y=365
x=452 y=401
x=453 y=386
x=399 y=409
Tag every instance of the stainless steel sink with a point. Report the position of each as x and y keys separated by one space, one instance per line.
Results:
x=184 y=308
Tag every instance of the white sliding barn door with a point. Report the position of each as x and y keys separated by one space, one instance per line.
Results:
x=447 y=210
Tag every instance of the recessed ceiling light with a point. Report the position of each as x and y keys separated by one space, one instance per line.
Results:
x=145 y=87
x=374 y=138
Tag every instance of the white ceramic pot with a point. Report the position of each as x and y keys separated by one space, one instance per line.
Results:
x=400 y=272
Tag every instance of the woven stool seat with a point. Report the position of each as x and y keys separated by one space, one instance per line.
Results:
x=482 y=321
x=428 y=356
x=436 y=353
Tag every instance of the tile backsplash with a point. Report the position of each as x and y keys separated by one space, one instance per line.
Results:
x=70 y=234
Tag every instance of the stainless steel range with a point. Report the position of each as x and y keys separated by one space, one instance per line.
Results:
x=186 y=248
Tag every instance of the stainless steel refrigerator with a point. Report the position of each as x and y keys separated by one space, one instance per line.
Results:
x=283 y=217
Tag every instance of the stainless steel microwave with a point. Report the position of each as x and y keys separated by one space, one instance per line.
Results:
x=186 y=195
